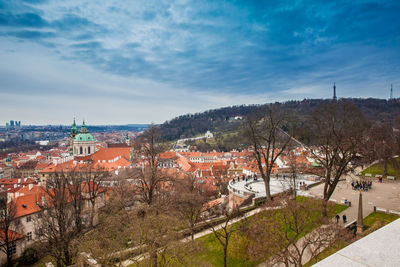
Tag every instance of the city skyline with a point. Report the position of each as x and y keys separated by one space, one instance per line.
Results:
x=143 y=62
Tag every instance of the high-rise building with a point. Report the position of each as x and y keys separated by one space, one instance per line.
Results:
x=11 y=123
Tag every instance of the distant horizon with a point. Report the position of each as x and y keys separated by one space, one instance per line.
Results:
x=79 y=123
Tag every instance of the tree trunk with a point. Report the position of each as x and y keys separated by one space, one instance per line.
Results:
x=225 y=254
x=324 y=207
x=9 y=258
x=92 y=213
x=267 y=189
x=385 y=163
x=67 y=257
x=153 y=256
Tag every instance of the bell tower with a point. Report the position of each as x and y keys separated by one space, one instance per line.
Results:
x=74 y=132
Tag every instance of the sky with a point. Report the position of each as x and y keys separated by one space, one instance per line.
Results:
x=120 y=62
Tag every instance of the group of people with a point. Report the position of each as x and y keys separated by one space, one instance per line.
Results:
x=338 y=218
x=361 y=185
x=303 y=185
x=244 y=178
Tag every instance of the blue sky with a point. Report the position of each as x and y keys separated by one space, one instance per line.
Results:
x=117 y=62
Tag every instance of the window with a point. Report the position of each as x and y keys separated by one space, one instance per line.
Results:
x=13 y=248
x=28 y=219
x=80 y=150
x=29 y=236
x=88 y=150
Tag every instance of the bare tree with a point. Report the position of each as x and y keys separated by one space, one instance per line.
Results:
x=337 y=132
x=149 y=232
x=264 y=133
x=224 y=231
x=8 y=234
x=384 y=141
x=189 y=200
x=111 y=239
x=57 y=226
x=74 y=181
x=148 y=175
x=288 y=235
x=93 y=177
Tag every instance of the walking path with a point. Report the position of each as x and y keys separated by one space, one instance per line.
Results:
x=382 y=195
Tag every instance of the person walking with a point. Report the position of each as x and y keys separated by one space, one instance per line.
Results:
x=344 y=218
x=337 y=218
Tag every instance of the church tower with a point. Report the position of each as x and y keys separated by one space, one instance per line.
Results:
x=74 y=132
x=82 y=144
x=83 y=128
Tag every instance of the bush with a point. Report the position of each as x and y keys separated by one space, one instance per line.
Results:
x=29 y=256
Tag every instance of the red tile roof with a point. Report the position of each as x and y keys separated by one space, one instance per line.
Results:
x=12 y=235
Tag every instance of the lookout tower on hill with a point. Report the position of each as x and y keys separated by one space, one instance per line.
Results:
x=334 y=91
x=391 y=92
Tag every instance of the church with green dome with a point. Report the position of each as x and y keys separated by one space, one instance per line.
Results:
x=81 y=144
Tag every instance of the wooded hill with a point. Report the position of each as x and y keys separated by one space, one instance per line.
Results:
x=223 y=119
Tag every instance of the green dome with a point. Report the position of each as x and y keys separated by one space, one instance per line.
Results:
x=84 y=137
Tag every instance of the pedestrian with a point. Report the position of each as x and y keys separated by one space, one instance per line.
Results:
x=344 y=218
x=337 y=218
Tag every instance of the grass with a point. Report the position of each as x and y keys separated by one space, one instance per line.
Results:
x=372 y=222
x=42 y=262
x=211 y=250
x=376 y=217
x=211 y=253
x=378 y=168
x=340 y=207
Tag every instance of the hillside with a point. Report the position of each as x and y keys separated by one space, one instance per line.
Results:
x=222 y=120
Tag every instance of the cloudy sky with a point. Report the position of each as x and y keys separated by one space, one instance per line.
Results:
x=118 y=62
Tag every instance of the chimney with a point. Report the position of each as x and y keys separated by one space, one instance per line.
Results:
x=30 y=187
x=19 y=180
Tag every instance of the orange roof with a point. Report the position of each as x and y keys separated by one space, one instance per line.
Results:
x=211 y=204
x=184 y=164
x=111 y=153
x=27 y=204
x=25 y=190
x=12 y=235
x=113 y=165
x=41 y=165
x=17 y=181
x=168 y=155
